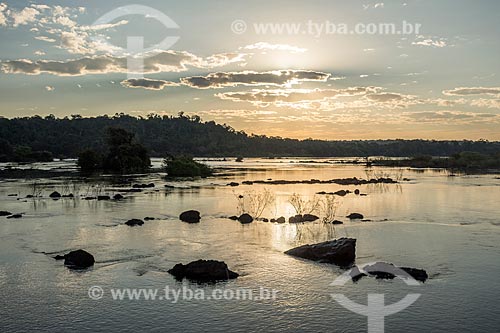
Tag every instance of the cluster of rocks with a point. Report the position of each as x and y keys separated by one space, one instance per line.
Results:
x=303 y=218
x=139 y=186
x=9 y=215
x=339 y=181
x=342 y=252
x=387 y=271
x=342 y=193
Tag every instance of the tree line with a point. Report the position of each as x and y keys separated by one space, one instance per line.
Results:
x=41 y=138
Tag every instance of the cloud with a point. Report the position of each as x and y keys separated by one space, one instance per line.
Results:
x=149 y=84
x=25 y=16
x=430 y=41
x=45 y=39
x=251 y=78
x=296 y=98
x=449 y=117
x=103 y=26
x=468 y=91
x=3 y=18
x=486 y=103
x=166 y=61
x=274 y=47
x=374 y=6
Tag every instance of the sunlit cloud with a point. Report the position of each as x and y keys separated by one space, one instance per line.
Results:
x=251 y=78
x=167 y=61
x=274 y=47
x=149 y=84
x=468 y=91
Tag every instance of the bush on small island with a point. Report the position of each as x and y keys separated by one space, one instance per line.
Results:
x=184 y=166
x=124 y=155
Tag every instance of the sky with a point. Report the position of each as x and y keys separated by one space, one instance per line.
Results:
x=335 y=70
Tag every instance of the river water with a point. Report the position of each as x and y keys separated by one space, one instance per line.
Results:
x=447 y=224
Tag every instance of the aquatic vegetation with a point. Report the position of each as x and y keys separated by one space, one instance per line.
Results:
x=254 y=203
x=185 y=166
x=304 y=206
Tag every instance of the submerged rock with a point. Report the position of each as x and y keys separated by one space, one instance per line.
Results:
x=5 y=213
x=149 y=218
x=303 y=218
x=341 y=252
x=134 y=222
x=388 y=271
x=309 y=218
x=233 y=184
x=143 y=185
x=190 y=216
x=355 y=216
x=203 y=271
x=341 y=193
x=78 y=259
x=336 y=222
x=103 y=197
x=245 y=218
x=118 y=196
x=234 y=218
x=280 y=220
x=55 y=195
x=15 y=216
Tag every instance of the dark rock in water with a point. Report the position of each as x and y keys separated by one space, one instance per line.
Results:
x=55 y=195
x=190 y=216
x=103 y=197
x=355 y=216
x=134 y=222
x=68 y=195
x=234 y=218
x=356 y=191
x=245 y=218
x=309 y=218
x=143 y=185
x=15 y=216
x=295 y=219
x=356 y=274
x=118 y=196
x=12 y=195
x=233 y=184
x=203 y=271
x=5 y=213
x=341 y=193
x=336 y=222
x=418 y=274
x=78 y=259
x=280 y=220
x=29 y=196
x=89 y=198
x=149 y=218
x=265 y=220
x=383 y=270
x=59 y=257
x=341 y=252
